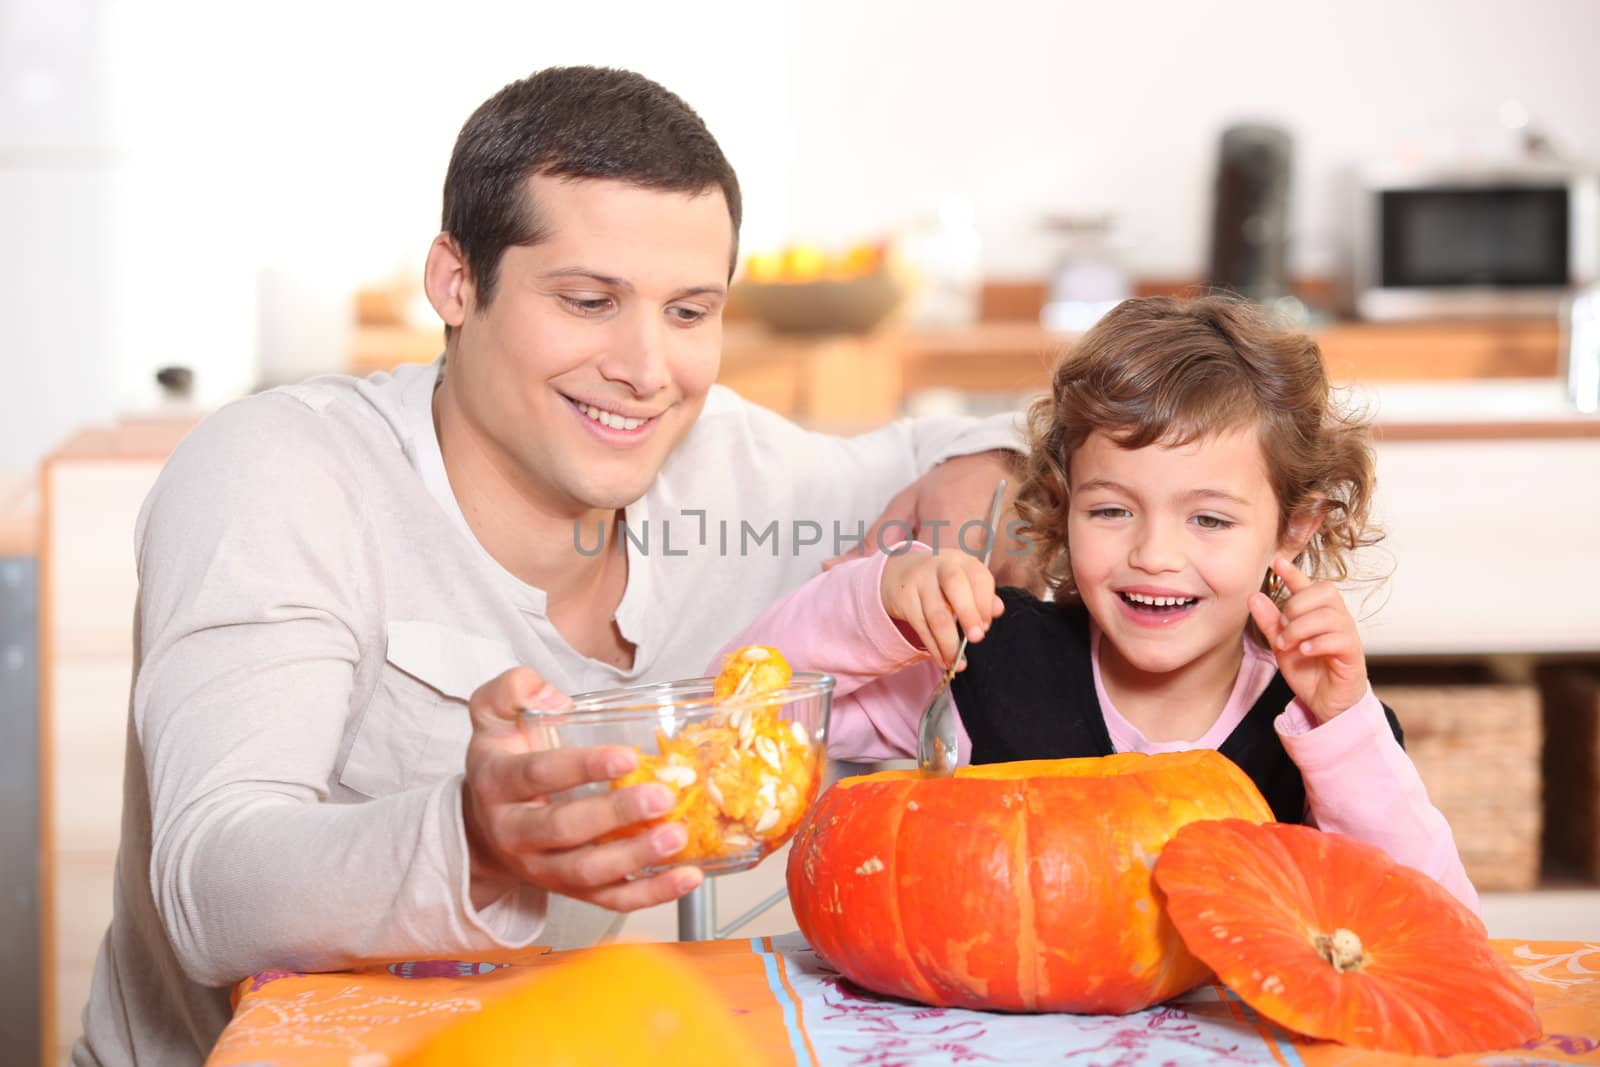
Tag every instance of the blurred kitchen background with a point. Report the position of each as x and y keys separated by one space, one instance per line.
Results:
x=198 y=200
x=209 y=185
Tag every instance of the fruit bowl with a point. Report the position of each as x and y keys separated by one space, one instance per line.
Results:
x=743 y=768
x=822 y=305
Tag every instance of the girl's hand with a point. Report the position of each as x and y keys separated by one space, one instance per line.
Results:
x=1315 y=642
x=927 y=593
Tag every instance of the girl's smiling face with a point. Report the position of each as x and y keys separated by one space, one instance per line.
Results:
x=1167 y=544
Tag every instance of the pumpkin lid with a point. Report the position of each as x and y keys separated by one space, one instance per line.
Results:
x=1329 y=936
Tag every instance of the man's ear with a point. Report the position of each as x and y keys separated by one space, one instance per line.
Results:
x=1303 y=526
x=447 y=281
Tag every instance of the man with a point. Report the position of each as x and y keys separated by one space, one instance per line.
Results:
x=347 y=585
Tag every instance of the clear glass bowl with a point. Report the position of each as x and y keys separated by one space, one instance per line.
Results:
x=744 y=771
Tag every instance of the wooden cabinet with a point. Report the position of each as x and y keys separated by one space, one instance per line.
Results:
x=1489 y=547
x=1441 y=351
x=91 y=491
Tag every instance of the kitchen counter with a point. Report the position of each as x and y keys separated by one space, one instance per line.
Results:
x=1504 y=408
x=1492 y=368
x=849 y=381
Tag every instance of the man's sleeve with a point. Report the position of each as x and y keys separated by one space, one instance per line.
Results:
x=256 y=570
x=850 y=479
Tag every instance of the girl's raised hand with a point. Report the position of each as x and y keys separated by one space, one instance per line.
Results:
x=927 y=593
x=1315 y=642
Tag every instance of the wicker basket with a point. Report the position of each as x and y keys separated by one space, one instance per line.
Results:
x=1477 y=745
x=1572 y=769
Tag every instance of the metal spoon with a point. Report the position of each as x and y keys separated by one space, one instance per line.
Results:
x=936 y=731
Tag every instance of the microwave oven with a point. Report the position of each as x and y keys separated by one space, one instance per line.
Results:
x=1468 y=241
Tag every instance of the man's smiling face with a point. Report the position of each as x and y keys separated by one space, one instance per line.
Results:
x=594 y=356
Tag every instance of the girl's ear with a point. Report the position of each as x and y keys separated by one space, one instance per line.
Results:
x=1303 y=526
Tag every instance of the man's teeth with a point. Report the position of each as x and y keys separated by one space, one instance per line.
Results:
x=1160 y=601
x=611 y=419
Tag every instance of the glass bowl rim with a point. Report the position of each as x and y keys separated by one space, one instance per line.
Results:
x=686 y=698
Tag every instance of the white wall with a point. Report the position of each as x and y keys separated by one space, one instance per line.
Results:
x=268 y=158
x=54 y=217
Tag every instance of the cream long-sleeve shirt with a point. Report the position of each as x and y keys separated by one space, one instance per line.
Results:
x=313 y=613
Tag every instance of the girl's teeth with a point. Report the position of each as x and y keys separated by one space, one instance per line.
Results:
x=1159 y=601
x=611 y=419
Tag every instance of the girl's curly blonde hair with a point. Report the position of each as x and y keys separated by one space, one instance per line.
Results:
x=1168 y=371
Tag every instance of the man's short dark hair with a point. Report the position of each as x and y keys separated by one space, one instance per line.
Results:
x=571 y=122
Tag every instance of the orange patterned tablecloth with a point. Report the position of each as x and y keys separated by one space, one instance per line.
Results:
x=801 y=1012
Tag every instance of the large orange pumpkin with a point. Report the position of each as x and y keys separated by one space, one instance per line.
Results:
x=1328 y=936
x=1013 y=886
x=613 y=1006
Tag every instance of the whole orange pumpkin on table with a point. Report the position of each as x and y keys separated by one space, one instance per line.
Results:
x=1013 y=886
x=620 y=1005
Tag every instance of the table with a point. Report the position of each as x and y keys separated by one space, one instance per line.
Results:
x=800 y=1012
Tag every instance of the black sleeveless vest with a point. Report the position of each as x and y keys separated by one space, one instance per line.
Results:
x=1028 y=693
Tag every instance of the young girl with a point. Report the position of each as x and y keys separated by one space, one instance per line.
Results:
x=1192 y=494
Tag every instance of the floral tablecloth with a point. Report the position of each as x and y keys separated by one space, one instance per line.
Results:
x=802 y=1012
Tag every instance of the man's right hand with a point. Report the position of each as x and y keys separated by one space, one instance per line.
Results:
x=515 y=833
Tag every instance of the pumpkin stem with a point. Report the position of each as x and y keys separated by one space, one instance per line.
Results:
x=1341 y=950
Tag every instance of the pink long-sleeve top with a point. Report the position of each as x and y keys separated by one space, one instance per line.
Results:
x=1358 y=779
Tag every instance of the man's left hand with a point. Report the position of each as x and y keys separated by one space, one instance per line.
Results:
x=934 y=508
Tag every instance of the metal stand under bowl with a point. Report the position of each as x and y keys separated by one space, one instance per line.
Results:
x=697 y=913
